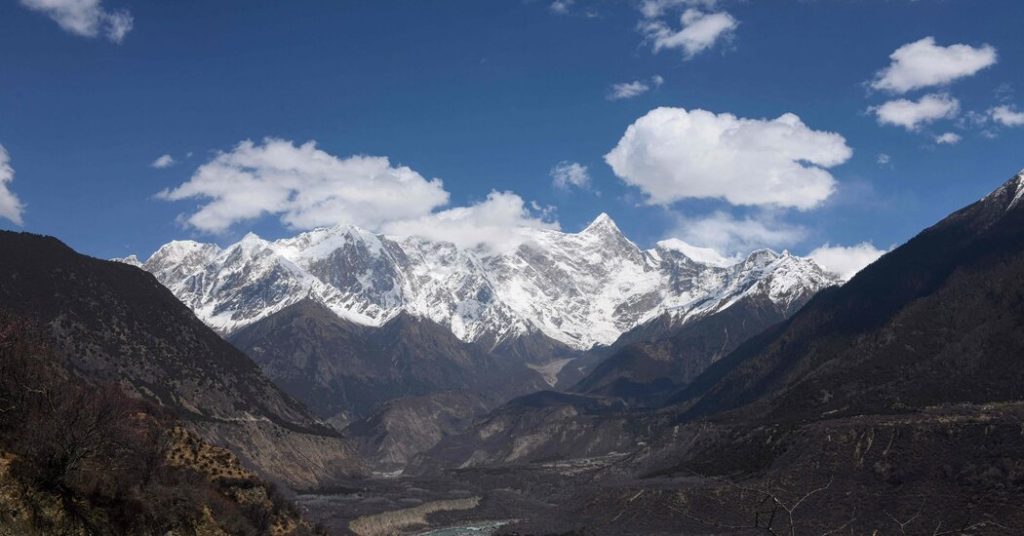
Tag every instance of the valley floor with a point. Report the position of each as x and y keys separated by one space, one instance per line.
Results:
x=950 y=470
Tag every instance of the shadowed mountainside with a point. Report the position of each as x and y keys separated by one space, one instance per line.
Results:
x=79 y=456
x=336 y=367
x=938 y=320
x=115 y=322
x=668 y=357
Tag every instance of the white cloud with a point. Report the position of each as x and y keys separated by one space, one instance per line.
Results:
x=305 y=187
x=165 y=161
x=652 y=9
x=883 y=159
x=846 y=261
x=700 y=254
x=698 y=31
x=673 y=154
x=567 y=174
x=500 y=223
x=628 y=90
x=912 y=114
x=732 y=236
x=85 y=17
x=561 y=6
x=924 y=64
x=10 y=206
x=1008 y=116
x=949 y=138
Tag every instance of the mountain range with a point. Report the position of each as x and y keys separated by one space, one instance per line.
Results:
x=577 y=290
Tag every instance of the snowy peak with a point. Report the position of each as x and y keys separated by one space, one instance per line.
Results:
x=763 y=256
x=130 y=259
x=603 y=223
x=1007 y=195
x=603 y=232
x=1016 y=185
x=178 y=251
x=581 y=289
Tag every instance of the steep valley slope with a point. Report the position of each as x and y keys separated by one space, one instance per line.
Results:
x=114 y=322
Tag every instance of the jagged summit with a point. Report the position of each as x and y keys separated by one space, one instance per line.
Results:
x=602 y=223
x=579 y=289
x=1009 y=193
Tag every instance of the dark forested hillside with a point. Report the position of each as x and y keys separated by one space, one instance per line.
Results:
x=82 y=457
x=939 y=320
x=115 y=322
x=337 y=367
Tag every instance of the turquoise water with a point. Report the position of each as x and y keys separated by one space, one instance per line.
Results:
x=480 y=528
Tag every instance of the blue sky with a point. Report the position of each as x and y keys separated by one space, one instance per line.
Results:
x=491 y=97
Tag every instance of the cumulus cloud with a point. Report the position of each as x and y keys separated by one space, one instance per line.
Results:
x=673 y=154
x=566 y=175
x=949 y=138
x=1008 y=116
x=731 y=236
x=883 y=159
x=912 y=114
x=499 y=223
x=305 y=187
x=698 y=31
x=846 y=261
x=10 y=206
x=165 y=161
x=86 y=18
x=923 y=64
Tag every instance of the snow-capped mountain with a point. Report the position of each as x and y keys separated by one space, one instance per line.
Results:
x=581 y=289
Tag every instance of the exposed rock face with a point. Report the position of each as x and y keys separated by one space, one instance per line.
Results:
x=555 y=294
x=116 y=322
